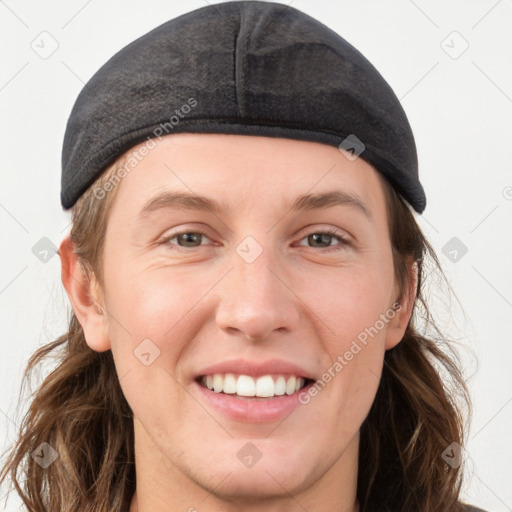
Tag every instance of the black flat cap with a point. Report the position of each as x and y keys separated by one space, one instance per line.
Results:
x=247 y=68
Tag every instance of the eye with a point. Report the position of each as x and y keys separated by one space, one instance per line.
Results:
x=187 y=239
x=326 y=239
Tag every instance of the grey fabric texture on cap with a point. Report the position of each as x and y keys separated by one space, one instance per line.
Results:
x=252 y=68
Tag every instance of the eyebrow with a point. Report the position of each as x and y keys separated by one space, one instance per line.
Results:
x=185 y=200
x=308 y=202
x=328 y=199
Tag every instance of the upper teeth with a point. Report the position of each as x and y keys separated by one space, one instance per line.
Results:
x=245 y=385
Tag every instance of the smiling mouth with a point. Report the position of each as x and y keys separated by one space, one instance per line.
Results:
x=247 y=387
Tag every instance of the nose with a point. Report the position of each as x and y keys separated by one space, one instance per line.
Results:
x=256 y=300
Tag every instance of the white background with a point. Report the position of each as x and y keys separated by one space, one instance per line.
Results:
x=461 y=113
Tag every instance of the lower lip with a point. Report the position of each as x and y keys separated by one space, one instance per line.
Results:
x=252 y=411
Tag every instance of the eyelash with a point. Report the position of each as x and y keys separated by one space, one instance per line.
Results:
x=343 y=241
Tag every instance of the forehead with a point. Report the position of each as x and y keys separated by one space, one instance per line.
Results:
x=238 y=172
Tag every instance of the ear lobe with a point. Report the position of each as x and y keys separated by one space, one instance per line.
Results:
x=83 y=292
x=398 y=324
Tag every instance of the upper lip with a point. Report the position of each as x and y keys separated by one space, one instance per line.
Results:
x=255 y=369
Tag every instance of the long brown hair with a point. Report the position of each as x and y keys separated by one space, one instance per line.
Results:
x=81 y=412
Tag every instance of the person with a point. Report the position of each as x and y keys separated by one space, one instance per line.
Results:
x=249 y=329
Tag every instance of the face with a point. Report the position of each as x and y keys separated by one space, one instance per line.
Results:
x=256 y=260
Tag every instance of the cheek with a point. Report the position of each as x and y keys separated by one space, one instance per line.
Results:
x=350 y=301
x=152 y=303
x=354 y=306
x=151 y=319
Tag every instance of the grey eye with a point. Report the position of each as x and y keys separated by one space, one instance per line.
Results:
x=191 y=239
x=323 y=239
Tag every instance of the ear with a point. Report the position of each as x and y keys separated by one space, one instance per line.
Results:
x=84 y=293
x=403 y=308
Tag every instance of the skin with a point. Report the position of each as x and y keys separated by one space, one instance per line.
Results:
x=204 y=304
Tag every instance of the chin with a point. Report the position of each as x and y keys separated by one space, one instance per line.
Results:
x=257 y=468
x=258 y=483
